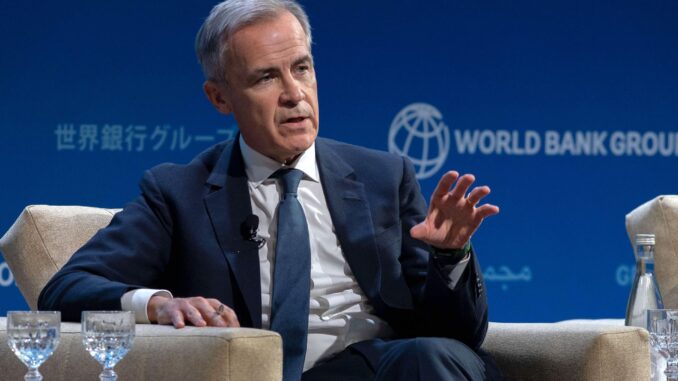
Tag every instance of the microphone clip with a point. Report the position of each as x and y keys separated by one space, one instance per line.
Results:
x=248 y=230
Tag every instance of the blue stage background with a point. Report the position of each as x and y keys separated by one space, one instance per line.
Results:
x=567 y=109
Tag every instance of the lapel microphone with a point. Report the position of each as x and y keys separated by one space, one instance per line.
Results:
x=248 y=230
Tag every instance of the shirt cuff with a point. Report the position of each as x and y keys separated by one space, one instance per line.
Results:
x=137 y=301
x=454 y=272
x=452 y=263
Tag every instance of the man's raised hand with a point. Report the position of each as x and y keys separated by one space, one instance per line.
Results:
x=453 y=216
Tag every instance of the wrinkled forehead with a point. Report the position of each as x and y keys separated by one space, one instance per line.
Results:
x=281 y=21
x=272 y=38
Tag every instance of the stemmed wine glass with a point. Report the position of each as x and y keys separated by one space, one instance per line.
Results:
x=662 y=325
x=33 y=337
x=108 y=336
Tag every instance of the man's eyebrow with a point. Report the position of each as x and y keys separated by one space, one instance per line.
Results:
x=306 y=58
x=262 y=70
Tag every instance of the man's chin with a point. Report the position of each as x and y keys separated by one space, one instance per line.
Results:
x=298 y=150
x=301 y=142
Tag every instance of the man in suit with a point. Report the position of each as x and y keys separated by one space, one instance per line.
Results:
x=346 y=263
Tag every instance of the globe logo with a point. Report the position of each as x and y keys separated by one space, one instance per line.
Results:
x=418 y=133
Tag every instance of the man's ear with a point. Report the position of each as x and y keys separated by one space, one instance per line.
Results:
x=217 y=96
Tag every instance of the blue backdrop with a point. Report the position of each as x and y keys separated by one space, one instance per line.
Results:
x=567 y=109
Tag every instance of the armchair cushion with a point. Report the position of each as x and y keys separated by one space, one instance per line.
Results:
x=660 y=216
x=588 y=350
x=163 y=353
x=42 y=240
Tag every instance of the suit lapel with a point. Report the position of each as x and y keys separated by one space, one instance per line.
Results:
x=228 y=206
x=350 y=212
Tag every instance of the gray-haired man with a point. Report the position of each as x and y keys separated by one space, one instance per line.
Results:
x=362 y=282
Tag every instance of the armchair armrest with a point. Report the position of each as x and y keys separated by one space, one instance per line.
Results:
x=570 y=350
x=163 y=353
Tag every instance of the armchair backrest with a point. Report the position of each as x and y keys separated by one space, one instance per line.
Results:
x=660 y=216
x=43 y=238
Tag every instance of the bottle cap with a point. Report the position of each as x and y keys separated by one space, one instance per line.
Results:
x=645 y=239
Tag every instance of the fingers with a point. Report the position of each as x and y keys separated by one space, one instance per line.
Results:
x=213 y=313
x=164 y=310
x=176 y=318
x=418 y=231
x=445 y=183
x=486 y=210
x=223 y=313
x=462 y=186
x=167 y=311
x=453 y=214
x=189 y=309
x=476 y=195
x=197 y=311
x=206 y=313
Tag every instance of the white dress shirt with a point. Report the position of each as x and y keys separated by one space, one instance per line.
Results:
x=339 y=312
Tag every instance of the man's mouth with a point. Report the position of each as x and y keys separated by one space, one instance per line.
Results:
x=295 y=119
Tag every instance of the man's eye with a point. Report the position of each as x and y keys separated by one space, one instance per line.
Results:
x=264 y=78
x=302 y=68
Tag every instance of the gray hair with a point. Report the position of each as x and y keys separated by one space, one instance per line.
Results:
x=211 y=42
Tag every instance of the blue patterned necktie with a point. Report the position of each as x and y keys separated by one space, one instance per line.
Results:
x=291 y=276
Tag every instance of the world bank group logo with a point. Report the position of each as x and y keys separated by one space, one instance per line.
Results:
x=418 y=133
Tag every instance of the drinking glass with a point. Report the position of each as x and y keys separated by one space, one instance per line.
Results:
x=108 y=336
x=662 y=324
x=33 y=337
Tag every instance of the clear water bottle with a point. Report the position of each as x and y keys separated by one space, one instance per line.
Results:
x=645 y=293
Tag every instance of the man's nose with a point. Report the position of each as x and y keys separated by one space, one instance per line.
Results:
x=292 y=92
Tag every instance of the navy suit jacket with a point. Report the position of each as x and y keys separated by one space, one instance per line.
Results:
x=183 y=234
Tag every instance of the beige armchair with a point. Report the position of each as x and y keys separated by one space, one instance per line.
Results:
x=41 y=241
x=44 y=237
x=660 y=216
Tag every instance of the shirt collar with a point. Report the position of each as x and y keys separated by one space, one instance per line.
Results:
x=259 y=167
